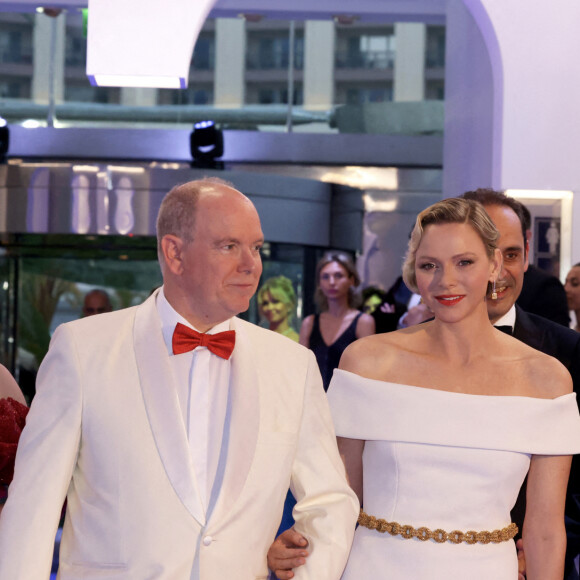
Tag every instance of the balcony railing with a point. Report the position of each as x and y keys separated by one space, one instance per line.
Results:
x=261 y=60
x=379 y=59
x=16 y=56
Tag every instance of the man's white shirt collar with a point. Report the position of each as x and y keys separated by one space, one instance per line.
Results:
x=508 y=319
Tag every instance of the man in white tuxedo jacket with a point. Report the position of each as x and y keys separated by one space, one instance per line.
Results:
x=176 y=462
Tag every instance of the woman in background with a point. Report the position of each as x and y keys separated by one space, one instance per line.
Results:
x=13 y=411
x=277 y=301
x=340 y=323
x=572 y=287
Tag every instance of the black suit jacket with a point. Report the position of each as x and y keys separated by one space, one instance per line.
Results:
x=544 y=295
x=564 y=344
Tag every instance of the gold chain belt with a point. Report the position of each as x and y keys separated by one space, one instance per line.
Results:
x=438 y=535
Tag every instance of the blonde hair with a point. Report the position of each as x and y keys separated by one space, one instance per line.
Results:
x=454 y=210
x=278 y=287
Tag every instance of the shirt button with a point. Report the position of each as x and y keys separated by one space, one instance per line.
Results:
x=207 y=541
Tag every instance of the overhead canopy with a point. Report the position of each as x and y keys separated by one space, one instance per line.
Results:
x=145 y=44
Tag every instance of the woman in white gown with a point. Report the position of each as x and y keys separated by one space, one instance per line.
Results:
x=439 y=423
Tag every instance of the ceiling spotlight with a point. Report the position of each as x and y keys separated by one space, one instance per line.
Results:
x=206 y=143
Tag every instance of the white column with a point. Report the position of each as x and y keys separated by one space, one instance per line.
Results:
x=511 y=104
x=138 y=97
x=469 y=141
x=318 y=64
x=43 y=54
x=511 y=107
x=410 y=39
x=230 y=64
x=540 y=92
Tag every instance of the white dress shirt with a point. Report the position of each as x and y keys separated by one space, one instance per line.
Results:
x=203 y=382
x=508 y=319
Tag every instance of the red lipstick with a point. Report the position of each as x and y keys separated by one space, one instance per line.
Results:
x=449 y=300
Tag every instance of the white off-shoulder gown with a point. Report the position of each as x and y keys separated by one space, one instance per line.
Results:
x=444 y=460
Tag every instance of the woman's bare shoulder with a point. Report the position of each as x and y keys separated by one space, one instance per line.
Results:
x=549 y=376
x=367 y=354
x=365 y=325
x=306 y=330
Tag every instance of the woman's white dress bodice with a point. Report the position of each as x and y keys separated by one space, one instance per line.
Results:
x=444 y=460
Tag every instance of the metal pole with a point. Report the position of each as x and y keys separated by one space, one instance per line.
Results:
x=291 y=36
x=53 y=15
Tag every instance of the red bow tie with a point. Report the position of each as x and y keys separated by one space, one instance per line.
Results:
x=186 y=339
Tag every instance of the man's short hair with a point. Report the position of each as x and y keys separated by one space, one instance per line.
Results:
x=178 y=209
x=489 y=197
x=105 y=305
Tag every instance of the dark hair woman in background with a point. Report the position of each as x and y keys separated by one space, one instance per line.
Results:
x=340 y=323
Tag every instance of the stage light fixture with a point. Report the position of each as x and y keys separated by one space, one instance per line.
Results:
x=206 y=144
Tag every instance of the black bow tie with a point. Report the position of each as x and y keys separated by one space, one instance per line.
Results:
x=505 y=328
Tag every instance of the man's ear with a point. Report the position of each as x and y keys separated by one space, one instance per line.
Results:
x=172 y=251
x=527 y=251
x=497 y=265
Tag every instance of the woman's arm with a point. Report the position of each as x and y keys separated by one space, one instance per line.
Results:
x=544 y=534
x=365 y=326
x=9 y=387
x=306 y=330
x=10 y=430
x=351 y=451
x=287 y=552
x=289 y=549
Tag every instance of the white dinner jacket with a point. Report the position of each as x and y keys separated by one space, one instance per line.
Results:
x=106 y=431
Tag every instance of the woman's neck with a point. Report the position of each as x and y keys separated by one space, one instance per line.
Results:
x=464 y=339
x=338 y=308
x=280 y=327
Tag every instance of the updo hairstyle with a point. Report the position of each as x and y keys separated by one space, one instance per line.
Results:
x=454 y=210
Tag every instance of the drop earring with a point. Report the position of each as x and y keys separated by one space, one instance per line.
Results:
x=493 y=291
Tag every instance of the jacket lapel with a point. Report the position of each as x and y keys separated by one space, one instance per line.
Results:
x=244 y=420
x=162 y=406
x=526 y=331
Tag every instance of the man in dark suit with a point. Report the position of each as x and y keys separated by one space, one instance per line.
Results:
x=545 y=335
x=542 y=293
